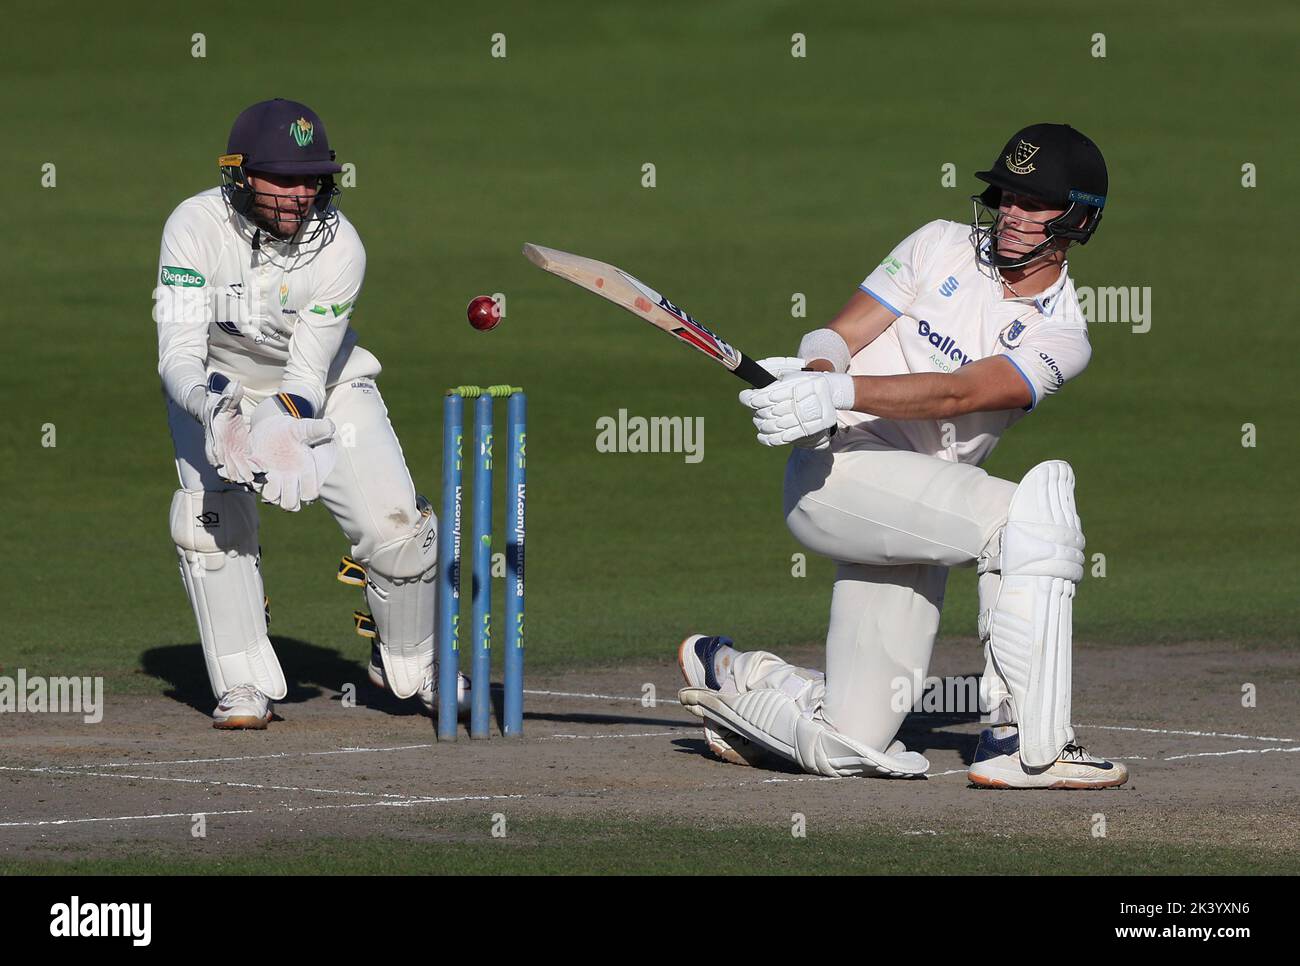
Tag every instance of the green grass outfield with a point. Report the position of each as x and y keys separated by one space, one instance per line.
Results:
x=775 y=175
x=608 y=846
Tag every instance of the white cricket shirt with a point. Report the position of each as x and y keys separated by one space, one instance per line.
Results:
x=952 y=312
x=275 y=318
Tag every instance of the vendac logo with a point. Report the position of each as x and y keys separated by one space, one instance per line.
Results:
x=182 y=277
x=75 y=920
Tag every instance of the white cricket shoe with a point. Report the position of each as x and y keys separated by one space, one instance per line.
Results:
x=429 y=693
x=695 y=657
x=997 y=765
x=242 y=707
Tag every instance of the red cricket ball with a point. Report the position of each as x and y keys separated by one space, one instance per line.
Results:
x=483 y=313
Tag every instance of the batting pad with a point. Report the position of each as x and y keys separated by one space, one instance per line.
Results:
x=1031 y=623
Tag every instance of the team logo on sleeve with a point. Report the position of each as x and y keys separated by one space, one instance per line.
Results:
x=1018 y=160
x=1010 y=336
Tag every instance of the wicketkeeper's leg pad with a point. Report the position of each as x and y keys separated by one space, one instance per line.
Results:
x=1030 y=624
x=772 y=719
x=402 y=594
x=215 y=532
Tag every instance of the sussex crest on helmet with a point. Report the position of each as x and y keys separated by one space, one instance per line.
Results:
x=1018 y=160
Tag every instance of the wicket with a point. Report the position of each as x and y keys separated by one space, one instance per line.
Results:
x=450 y=561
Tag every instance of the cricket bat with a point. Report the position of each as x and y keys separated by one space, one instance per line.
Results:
x=611 y=282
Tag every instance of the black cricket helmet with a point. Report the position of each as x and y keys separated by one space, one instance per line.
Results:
x=1057 y=166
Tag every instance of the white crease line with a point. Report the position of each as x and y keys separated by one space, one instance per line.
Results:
x=408 y=801
x=1192 y=734
x=212 y=761
x=641 y=734
x=604 y=697
x=81 y=773
x=1154 y=731
x=1239 y=751
x=424 y=745
x=121 y=818
x=82 y=768
x=405 y=802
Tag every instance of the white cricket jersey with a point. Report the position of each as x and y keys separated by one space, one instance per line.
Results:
x=952 y=312
x=275 y=317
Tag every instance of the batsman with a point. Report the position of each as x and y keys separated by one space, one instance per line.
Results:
x=890 y=409
x=269 y=396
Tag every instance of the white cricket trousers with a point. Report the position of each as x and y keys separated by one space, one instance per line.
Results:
x=894 y=521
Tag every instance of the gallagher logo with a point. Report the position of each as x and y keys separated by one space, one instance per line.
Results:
x=942 y=342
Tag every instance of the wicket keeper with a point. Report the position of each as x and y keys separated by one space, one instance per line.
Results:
x=268 y=395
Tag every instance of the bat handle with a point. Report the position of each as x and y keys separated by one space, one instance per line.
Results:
x=753 y=373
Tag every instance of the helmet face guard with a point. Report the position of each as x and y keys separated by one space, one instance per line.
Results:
x=274 y=213
x=988 y=225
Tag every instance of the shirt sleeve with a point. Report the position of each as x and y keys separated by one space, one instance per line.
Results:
x=1050 y=356
x=182 y=306
x=321 y=326
x=895 y=281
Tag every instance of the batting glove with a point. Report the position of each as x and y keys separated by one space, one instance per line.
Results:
x=801 y=406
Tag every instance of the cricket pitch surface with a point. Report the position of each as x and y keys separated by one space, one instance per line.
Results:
x=153 y=775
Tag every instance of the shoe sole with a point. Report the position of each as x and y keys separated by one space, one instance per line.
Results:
x=681 y=659
x=242 y=723
x=1065 y=784
x=721 y=752
x=728 y=754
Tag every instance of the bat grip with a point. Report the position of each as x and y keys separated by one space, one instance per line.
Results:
x=753 y=373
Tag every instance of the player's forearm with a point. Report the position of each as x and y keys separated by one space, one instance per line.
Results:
x=921 y=395
x=184 y=381
x=183 y=349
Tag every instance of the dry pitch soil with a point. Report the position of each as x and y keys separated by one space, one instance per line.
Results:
x=1206 y=770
